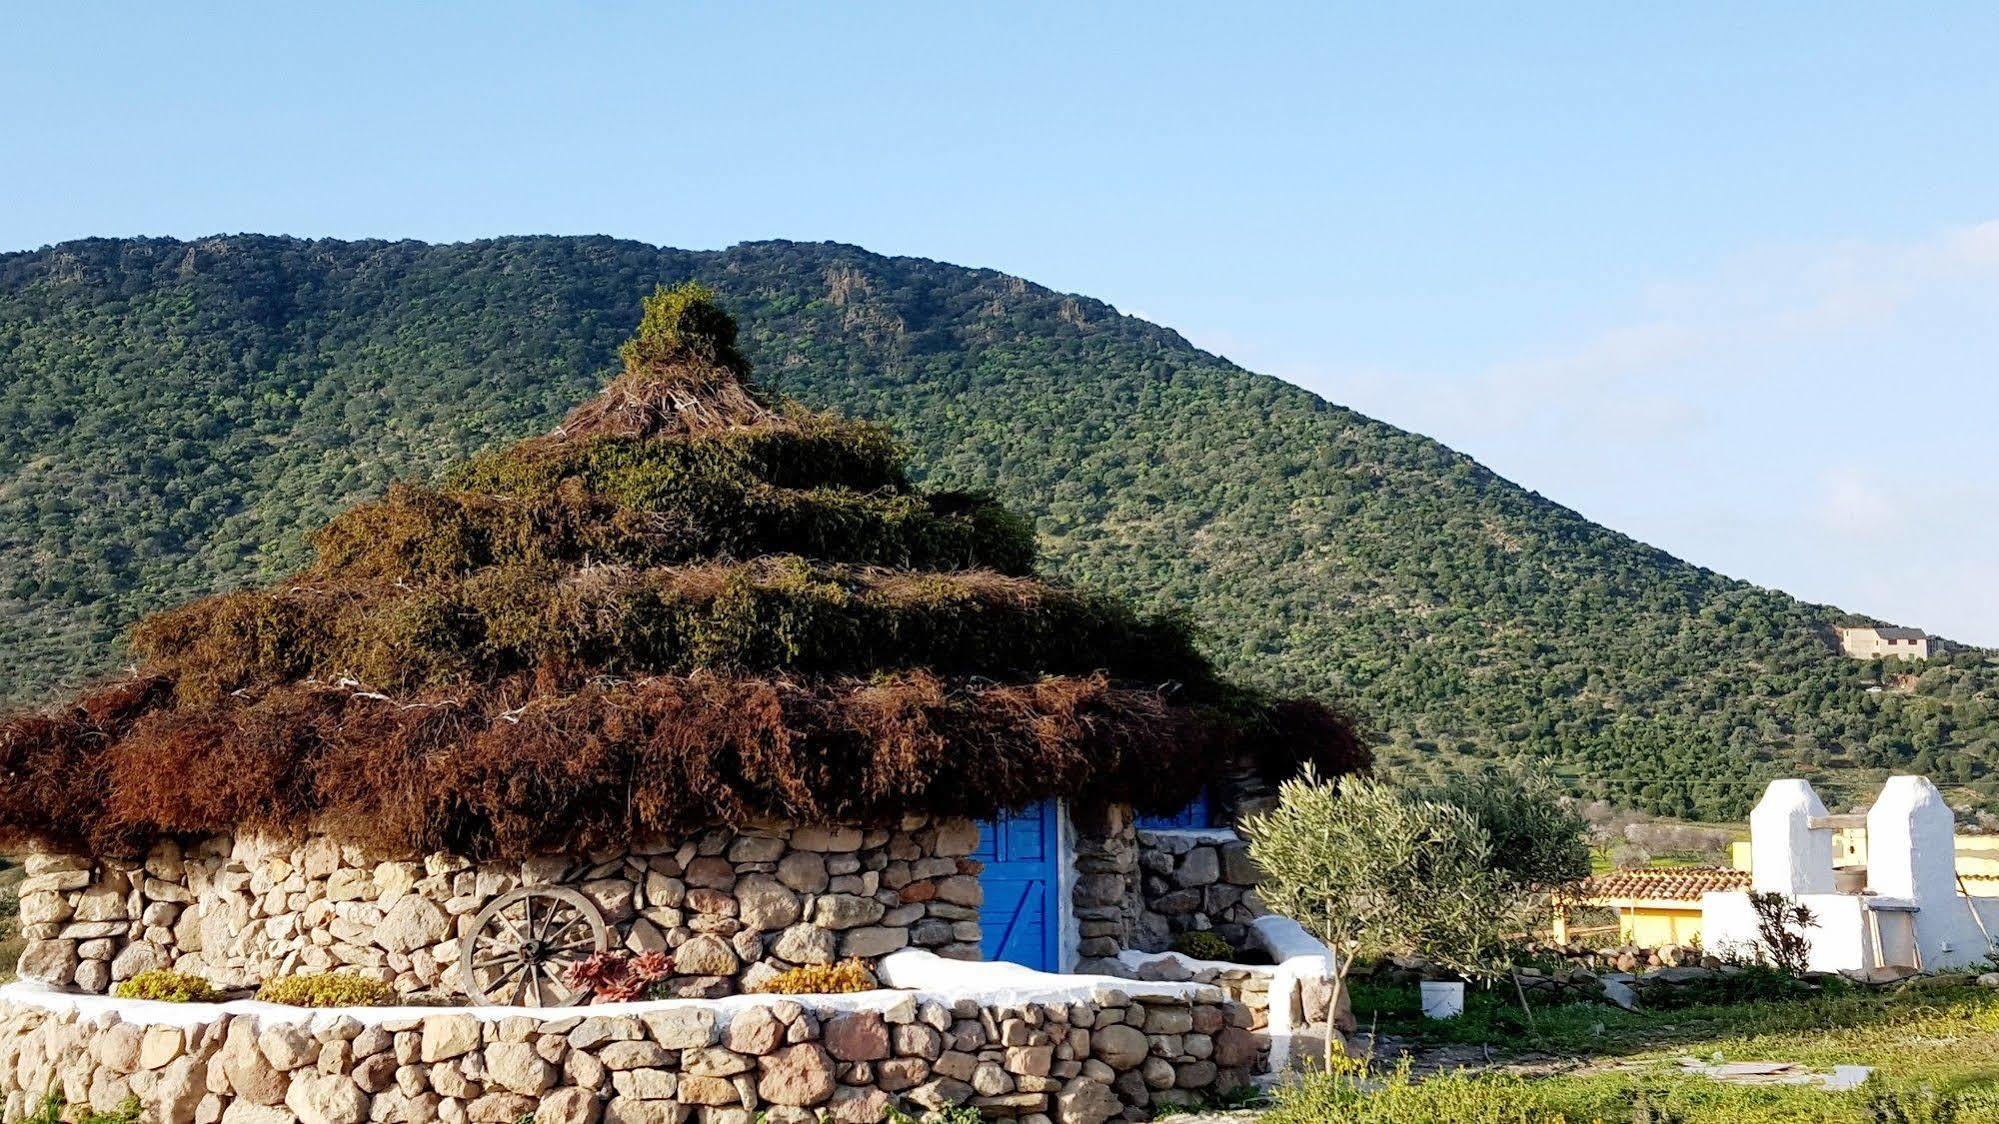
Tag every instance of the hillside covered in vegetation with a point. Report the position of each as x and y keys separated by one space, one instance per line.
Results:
x=175 y=416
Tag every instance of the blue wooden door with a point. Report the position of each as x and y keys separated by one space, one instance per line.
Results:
x=1022 y=917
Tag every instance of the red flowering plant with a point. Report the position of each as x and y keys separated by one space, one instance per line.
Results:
x=616 y=976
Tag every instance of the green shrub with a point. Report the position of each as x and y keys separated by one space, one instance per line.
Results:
x=1203 y=946
x=51 y=1110
x=326 y=989
x=168 y=986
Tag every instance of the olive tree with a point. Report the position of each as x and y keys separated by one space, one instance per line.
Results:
x=1371 y=869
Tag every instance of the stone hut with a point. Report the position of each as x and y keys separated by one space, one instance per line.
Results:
x=700 y=671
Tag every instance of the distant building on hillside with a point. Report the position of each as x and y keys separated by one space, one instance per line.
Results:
x=1867 y=642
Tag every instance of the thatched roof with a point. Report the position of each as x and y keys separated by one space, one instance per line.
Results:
x=692 y=603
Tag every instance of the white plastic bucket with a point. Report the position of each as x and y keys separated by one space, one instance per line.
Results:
x=1443 y=999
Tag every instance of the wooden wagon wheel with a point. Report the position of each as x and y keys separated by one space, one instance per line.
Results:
x=523 y=942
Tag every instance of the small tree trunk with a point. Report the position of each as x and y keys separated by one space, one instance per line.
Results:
x=1336 y=1045
x=1522 y=993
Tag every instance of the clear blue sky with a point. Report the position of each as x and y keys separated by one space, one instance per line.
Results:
x=1725 y=277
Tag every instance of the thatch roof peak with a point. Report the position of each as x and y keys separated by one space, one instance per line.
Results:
x=683 y=374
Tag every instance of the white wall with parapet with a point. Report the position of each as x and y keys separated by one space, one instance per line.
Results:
x=1914 y=902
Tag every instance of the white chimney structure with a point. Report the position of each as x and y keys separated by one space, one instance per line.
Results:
x=1913 y=912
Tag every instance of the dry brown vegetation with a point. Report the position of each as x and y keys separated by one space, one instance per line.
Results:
x=691 y=604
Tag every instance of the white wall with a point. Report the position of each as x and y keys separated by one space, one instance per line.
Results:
x=1911 y=870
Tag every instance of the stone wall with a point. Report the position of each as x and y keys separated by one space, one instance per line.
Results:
x=1194 y=880
x=719 y=1062
x=1105 y=896
x=735 y=907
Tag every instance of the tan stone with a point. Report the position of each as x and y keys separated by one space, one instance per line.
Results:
x=323 y=1099
x=845 y=911
x=755 y=1031
x=413 y=922
x=858 y=1106
x=681 y=1028
x=515 y=1067
x=50 y=961
x=859 y=1036
x=448 y=1036
x=805 y=944
x=764 y=904
x=102 y=903
x=377 y=1073
x=803 y=871
x=568 y=1106
x=817 y=837
x=117 y=1047
x=709 y=1091
x=633 y=1055
x=631 y=1110
x=160 y=1045
x=250 y=1112
x=250 y=1074
x=1084 y=1101
x=287 y=1046
x=796 y=1075
x=872 y=941
x=499 y=1108
x=706 y=955
x=178 y=1093
x=1120 y=1047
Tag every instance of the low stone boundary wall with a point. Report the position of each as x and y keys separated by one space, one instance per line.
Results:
x=1083 y=1053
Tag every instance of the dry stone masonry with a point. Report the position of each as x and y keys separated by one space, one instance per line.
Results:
x=1199 y=880
x=735 y=907
x=1117 y=1055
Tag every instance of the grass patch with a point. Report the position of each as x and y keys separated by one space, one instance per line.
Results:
x=1934 y=1049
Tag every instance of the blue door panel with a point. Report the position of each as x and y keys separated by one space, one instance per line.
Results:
x=1195 y=815
x=1021 y=918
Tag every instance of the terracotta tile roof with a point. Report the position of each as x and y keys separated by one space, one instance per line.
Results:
x=1664 y=884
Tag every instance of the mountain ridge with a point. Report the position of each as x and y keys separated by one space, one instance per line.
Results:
x=174 y=413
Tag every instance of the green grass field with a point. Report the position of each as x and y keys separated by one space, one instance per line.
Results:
x=1934 y=1049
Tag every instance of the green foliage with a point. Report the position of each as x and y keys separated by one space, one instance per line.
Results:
x=1202 y=945
x=1371 y=870
x=1538 y=837
x=168 y=986
x=682 y=323
x=948 y=1114
x=326 y=989
x=53 y=1109
x=1350 y=1094
x=174 y=416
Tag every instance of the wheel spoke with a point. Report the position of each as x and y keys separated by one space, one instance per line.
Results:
x=497 y=959
x=498 y=986
x=529 y=903
x=557 y=935
x=567 y=916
